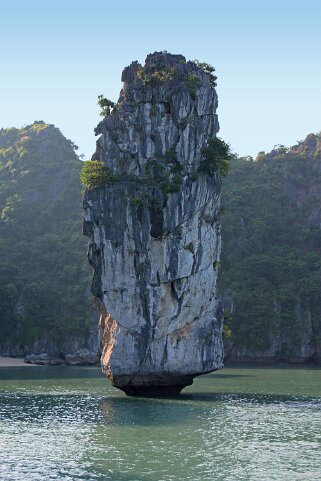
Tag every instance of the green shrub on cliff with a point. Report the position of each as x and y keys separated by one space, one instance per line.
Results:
x=209 y=70
x=94 y=174
x=106 y=106
x=192 y=83
x=216 y=157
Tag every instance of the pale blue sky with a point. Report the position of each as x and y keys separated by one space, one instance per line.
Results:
x=58 y=55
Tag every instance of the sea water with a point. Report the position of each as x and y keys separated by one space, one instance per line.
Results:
x=69 y=423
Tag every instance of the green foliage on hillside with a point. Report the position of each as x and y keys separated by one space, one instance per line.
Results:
x=44 y=275
x=271 y=259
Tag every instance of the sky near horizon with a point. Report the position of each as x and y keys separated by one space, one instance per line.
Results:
x=57 y=56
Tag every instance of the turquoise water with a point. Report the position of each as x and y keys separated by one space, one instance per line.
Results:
x=68 y=423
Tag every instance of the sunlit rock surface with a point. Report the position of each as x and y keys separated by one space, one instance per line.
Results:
x=155 y=231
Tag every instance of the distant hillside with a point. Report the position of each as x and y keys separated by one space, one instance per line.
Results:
x=44 y=274
x=271 y=261
x=270 y=274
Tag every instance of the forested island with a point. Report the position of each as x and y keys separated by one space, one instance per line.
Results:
x=45 y=304
x=269 y=276
x=271 y=257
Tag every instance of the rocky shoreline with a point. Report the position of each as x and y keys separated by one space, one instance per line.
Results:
x=78 y=359
x=83 y=357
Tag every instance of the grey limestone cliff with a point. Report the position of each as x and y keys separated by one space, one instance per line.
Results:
x=154 y=230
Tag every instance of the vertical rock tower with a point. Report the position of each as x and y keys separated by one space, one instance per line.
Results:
x=154 y=230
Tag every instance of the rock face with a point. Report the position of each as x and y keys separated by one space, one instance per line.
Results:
x=155 y=230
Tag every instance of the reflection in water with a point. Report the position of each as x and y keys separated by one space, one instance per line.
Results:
x=93 y=432
x=146 y=412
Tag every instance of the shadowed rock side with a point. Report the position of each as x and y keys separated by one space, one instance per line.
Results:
x=155 y=230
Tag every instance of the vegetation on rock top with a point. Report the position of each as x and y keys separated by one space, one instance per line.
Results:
x=156 y=75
